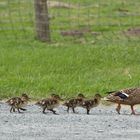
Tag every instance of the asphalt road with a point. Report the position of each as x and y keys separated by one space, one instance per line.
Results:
x=102 y=124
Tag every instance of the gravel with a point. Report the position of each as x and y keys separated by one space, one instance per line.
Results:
x=103 y=123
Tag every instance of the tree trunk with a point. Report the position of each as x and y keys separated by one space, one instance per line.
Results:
x=42 y=20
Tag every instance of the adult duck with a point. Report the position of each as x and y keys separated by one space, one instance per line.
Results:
x=126 y=96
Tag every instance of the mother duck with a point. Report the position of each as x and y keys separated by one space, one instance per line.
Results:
x=126 y=96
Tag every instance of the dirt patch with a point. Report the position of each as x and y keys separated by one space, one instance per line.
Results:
x=78 y=33
x=58 y=4
x=73 y=33
x=133 y=32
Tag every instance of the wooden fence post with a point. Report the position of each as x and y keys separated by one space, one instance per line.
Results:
x=42 y=20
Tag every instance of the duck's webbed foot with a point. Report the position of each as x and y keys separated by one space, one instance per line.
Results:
x=88 y=111
x=133 y=112
x=73 y=109
x=68 y=109
x=54 y=112
x=118 y=108
x=23 y=109
x=18 y=109
x=12 y=109
x=44 y=110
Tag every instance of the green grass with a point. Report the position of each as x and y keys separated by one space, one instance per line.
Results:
x=68 y=65
x=98 y=15
x=67 y=70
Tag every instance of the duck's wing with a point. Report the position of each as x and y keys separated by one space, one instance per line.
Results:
x=122 y=94
x=14 y=100
x=88 y=103
x=71 y=102
x=132 y=91
x=49 y=102
x=115 y=97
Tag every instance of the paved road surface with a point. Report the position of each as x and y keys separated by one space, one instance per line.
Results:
x=102 y=124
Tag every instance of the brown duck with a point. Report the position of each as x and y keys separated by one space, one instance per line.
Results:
x=50 y=103
x=126 y=96
x=75 y=102
x=91 y=103
x=18 y=103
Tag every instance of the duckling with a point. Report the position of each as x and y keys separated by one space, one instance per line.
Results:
x=75 y=102
x=50 y=103
x=18 y=103
x=129 y=96
x=90 y=103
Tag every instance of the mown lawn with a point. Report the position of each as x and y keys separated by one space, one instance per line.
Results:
x=68 y=69
x=69 y=65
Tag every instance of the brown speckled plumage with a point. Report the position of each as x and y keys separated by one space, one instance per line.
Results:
x=132 y=99
x=18 y=103
x=75 y=102
x=50 y=103
x=91 y=103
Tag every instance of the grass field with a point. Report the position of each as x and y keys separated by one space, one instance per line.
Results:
x=69 y=65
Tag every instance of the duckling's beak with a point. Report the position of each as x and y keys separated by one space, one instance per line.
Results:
x=105 y=99
x=36 y=103
x=63 y=103
x=62 y=100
